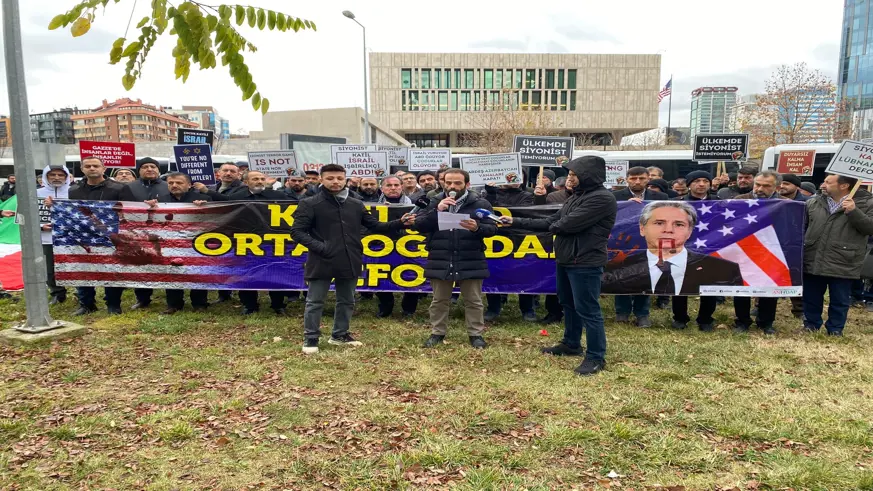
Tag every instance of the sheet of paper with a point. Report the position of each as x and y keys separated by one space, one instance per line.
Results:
x=450 y=221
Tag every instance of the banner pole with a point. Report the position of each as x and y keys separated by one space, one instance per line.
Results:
x=855 y=189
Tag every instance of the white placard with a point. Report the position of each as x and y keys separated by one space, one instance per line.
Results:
x=364 y=164
x=421 y=159
x=396 y=155
x=335 y=149
x=450 y=221
x=273 y=163
x=499 y=168
x=616 y=173
x=853 y=159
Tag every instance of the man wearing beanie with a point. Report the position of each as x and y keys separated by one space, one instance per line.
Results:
x=808 y=189
x=549 y=180
x=745 y=180
x=790 y=188
x=699 y=188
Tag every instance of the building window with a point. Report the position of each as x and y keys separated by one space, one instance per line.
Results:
x=572 y=100
x=518 y=79
x=550 y=79
x=554 y=101
x=465 y=100
x=498 y=79
x=425 y=100
x=425 y=78
x=515 y=101
x=571 y=79
x=454 y=97
x=561 y=79
x=477 y=106
x=530 y=79
x=403 y=101
x=427 y=140
x=415 y=78
x=447 y=78
x=563 y=100
x=437 y=77
x=494 y=100
x=413 y=100
x=443 y=101
x=468 y=79
x=489 y=79
x=507 y=79
x=524 y=101
x=457 y=78
x=536 y=100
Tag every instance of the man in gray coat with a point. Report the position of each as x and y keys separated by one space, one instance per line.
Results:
x=837 y=228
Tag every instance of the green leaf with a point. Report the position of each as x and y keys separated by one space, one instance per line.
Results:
x=161 y=25
x=251 y=16
x=119 y=43
x=127 y=81
x=80 y=27
x=131 y=49
x=240 y=15
x=265 y=105
x=313 y=25
x=115 y=55
x=307 y=24
x=225 y=12
x=262 y=19
x=211 y=21
x=297 y=25
x=256 y=101
x=143 y=22
x=271 y=20
x=57 y=21
x=280 y=21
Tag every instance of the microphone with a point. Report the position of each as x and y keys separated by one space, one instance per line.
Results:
x=452 y=194
x=482 y=214
x=420 y=204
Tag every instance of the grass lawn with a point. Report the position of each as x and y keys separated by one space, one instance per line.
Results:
x=218 y=401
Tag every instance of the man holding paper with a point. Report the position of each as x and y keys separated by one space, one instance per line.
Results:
x=455 y=256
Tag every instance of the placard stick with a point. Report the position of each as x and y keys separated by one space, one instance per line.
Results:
x=854 y=189
x=540 y=177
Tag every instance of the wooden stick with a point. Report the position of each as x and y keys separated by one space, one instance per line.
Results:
x=540 y=177
x=854 y=189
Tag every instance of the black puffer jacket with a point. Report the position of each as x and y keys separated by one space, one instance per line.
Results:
x=143 y=189
x=189 y=197
x=107 y=190
x=331 y=229
x=582 y=226
x=503 y=196
x=456 y=255
x=216 y=195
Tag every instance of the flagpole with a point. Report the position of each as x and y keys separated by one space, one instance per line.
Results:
x=669 y=112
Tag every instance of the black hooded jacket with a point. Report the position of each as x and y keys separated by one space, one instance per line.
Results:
x=582 y=226
x=504 y=196
x=144 y=189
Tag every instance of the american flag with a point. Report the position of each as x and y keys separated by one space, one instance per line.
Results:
x=100 y=243
x=665 y=91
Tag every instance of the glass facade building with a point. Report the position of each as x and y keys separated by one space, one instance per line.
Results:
x=855 y=74
x=711 y=109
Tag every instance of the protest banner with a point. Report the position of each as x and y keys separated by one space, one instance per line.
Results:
x=196 y=162
x=799 y=162
x=223 y=243
x=113 y=154
x=396 y=155
x=499 y=168
x=194 y=136
x=616 y=173
x=335 y=149
x=364 y=164
x=853 y=159
x=45 y=213
x=274 y=163
x=549 y=151
x=421 y=159
x=312 y=151
x=721 y=147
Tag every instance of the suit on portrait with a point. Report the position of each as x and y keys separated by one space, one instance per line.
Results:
x=634 y=274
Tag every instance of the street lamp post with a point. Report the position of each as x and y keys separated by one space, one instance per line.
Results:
x=350 y=15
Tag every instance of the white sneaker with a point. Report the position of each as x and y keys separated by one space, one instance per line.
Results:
x=346 y=340
x=310 y=346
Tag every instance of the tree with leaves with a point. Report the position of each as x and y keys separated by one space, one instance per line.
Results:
x=494 y=128
x=204 y=34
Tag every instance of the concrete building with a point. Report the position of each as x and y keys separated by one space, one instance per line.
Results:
x=128 y=120
x=437 y=99
x=656 y=138
x=810 y=117
x=206 y=117
x=711 y=109
x=5 y=131
x=342 y=122
x=855 y=70
x=55 y=126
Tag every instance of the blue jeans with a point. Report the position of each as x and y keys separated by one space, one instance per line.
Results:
x=579 y=294
x=639 y=304
x=840 y=290
x=88 y=296
x=345 y=306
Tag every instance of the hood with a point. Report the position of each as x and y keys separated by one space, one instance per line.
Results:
x=590 y=170
x=46 y=190
x=660 y=183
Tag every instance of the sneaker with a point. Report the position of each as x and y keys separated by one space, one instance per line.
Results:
x=490 y=316
x=644 y=322
x=769 y=330
x=381 y=314
x=170 y=311
x=622 y=318
x=530 y=317
x=114 y=310
x=280 y=311
x=550 y=319
x=808 y=327
x=679 y=325
x=345 y=340
x=140 y=305
x=836 y=333
x=85 y=310
x=562 y=349
x=248 y=311
x=58 y=299
x=433 y=340
x=858 y=304
x=741 y=329
x=310 y=346
x=590 y=367
x=477 y=342
x=706 y=327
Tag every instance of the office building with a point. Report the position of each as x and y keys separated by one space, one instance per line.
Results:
x=442 y=99
x=128 y=120
x=55 y=126
x=5 y=131
x=206 y=117
x=804 y=117
x=339 y=122
x=711 y=109
x=855 y=72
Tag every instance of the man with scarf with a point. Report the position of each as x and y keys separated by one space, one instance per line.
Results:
x=295 y=186
x=745 y=183
x=392 y=194
x=410 y=187
x=228 y=183
x=56 y=180
x=149 y=186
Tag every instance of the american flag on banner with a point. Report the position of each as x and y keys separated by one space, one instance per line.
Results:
x=131 y=245
x=665 y=91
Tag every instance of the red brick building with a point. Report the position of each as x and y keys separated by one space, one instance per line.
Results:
x=128 y=120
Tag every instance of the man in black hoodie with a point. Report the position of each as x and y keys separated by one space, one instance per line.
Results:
x=179 y=186
x=582 y=228
x=149 y=186
x=8 y=189
x=295 y=186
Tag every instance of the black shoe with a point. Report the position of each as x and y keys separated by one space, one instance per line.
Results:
x=477 y=342
x=753 y=312
x=345 y=340
x=706 y=327
x=381 y=315
x=810 y=327
x=310 y=346
x=490 y=316
x=530 y=317
x=769 y=330
x=551 y=319
x=741 y=329
x=4 y=295
x=85 y=310
x=622 y=318
x=679 y=325
x=408 y=314
x=248 y=311
x=590 y=367
x=170 y=311
x=58 y=299
x=280 y=311
x=139 y=305
x=858 y=304
x=114 y=310
x=662 y=303
x=836 y=333
x=433 y=340
x=644 y=322
x=221 y=300
x=198 y=308
x=561 y=349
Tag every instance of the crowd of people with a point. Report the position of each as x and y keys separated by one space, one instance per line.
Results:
x=838 y=226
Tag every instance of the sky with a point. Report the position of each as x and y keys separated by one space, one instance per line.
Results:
x=702 y=43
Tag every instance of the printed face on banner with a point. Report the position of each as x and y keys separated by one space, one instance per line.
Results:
x=500 y=169
x=278 y=163
x=364 y=164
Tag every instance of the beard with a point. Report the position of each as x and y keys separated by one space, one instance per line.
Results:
x=368 y=191
x=257 y=189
